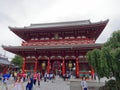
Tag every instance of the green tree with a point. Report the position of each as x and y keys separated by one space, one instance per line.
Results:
x=17 y=60
x=114 y=44
x=114 y=41
x=106 y=61
x=117 y=60
x=93 y=59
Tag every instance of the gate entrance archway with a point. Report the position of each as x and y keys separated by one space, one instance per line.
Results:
x=56 y=67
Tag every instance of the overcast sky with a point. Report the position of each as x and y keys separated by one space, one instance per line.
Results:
x=21 y=13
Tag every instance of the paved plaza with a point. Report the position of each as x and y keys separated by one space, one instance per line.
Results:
x=59 y=84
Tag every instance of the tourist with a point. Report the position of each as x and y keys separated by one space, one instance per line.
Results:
x=29 y=85
x=95 y=76
x=45 y=76
x=41 y=76
x=64 y=76
x=28 y=74
x=67 y=75
x=84 y=84
x=38 y=78
x=54 y=76
x=18 y=85
x=24 y=77
x=15 y=75
x=48 y=76
x=35 y=78
x=0 y=76
x=6 y=77
x=51 y=76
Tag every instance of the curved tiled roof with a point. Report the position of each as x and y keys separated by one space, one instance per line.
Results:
x=60 y=24
x=82 y=26
x=20 y=50
x=51 y=47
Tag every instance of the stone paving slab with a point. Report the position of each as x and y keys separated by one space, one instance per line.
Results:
x=58 y=84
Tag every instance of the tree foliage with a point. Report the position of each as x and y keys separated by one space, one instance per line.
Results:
x=107 y=60
x=17 y=60
x=93 y=58
x=114 y=41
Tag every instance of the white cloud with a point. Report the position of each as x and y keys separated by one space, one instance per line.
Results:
x=25 y=12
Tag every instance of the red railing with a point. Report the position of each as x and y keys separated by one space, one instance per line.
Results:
x=58 y=42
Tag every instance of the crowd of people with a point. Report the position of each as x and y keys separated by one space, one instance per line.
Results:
x=32 y=79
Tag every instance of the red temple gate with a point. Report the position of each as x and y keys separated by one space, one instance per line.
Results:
x=58 y=46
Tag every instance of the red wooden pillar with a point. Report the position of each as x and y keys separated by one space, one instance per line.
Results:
x=77 y=67
x=63 y=66
x=92 y=73
x=23 y=66
x=48 y=65
x=36 y=63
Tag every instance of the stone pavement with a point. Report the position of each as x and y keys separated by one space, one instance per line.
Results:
x=59 y=84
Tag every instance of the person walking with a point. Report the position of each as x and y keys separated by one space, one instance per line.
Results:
x=6 y=77
x=45 y=76
x=4 y=85
x=24 y=77
x=48 y=77
x=35 y=78
x=51 y=77
x=15 y=75
x=84 y=85
x=29 y=85
x=64 y=77
x=0 y=76
x=38 y=78
x=18 y=85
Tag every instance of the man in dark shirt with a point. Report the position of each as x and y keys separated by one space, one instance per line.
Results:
x=29 y=85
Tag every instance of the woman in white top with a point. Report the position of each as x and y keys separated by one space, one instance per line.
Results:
x=84 y=84
x=17 y=85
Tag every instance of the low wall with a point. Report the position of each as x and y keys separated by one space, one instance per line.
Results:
x=75 y=84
